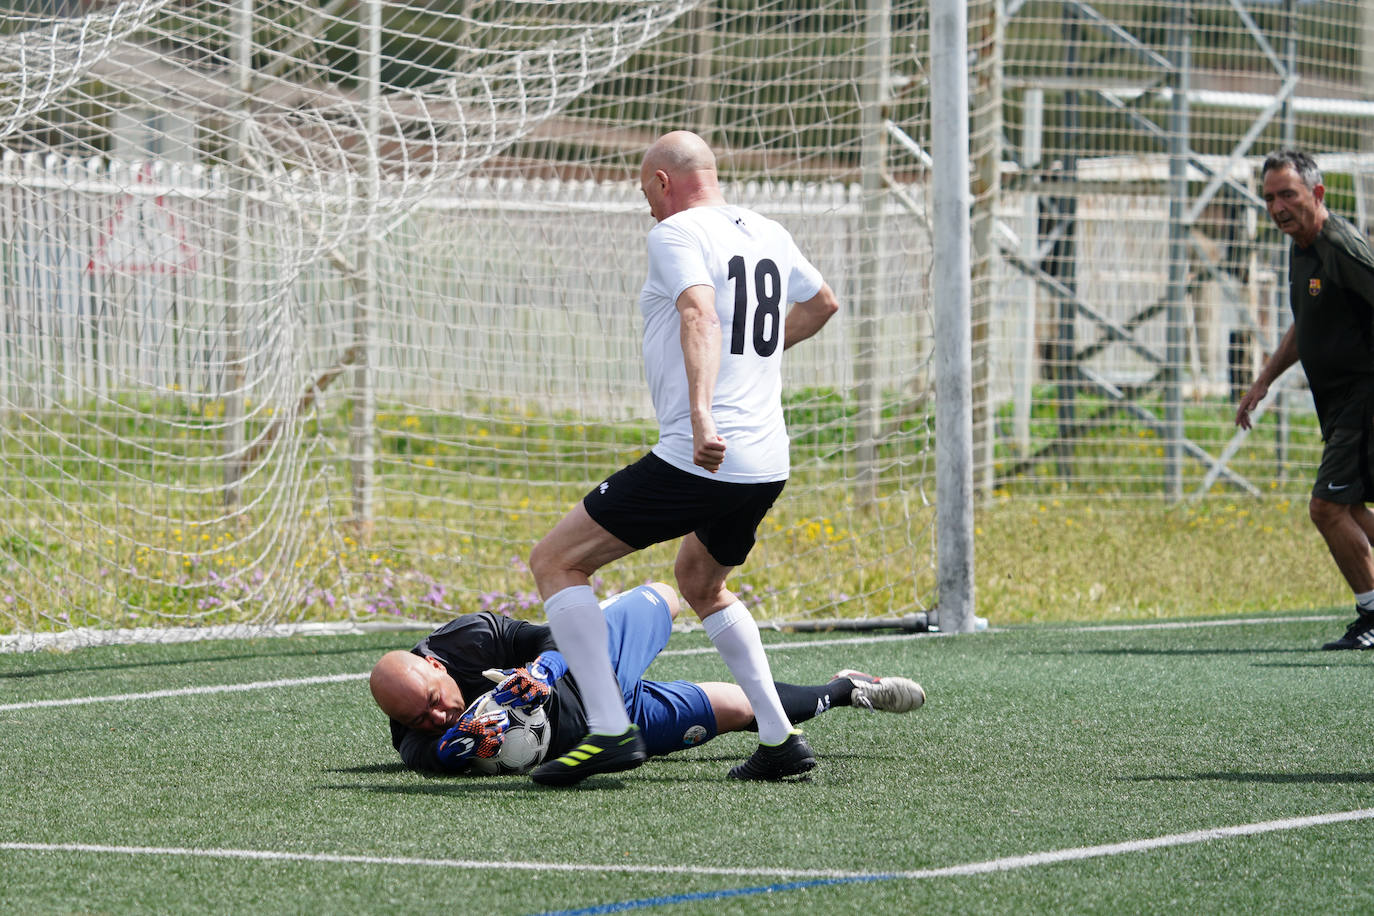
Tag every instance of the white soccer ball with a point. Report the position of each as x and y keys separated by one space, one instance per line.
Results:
x=526 y=740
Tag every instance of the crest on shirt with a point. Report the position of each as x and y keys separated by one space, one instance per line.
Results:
x=1314 y=286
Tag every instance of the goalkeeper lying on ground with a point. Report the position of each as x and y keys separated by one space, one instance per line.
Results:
x=426 y=691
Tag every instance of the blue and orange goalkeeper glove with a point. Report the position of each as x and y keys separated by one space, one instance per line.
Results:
x=476 y=734
x=531 y=686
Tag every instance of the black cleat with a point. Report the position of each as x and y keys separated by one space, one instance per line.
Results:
x=595 y=754
x=791 y=758
x=1359 y=635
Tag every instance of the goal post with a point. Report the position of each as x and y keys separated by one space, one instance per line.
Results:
x=952 y=294
x=326 y=313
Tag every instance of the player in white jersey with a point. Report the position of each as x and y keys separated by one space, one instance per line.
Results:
x=727 y=292
x=755 y=270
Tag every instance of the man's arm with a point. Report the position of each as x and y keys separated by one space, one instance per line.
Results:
x=474 y=735
x=418 y=750
x=701 y=336
x=806 y=318
x=1276 y=365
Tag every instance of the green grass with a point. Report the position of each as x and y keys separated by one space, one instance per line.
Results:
x=462 y=496
x=1063 y=559
x=1035 y=738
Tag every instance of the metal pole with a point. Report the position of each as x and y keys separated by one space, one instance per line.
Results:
x=874 y=89
x=1364 y=181
x=953 y=337
x=703 y=89
x=1283 y=316
x=237 y=272
x=1063 y=264
x=1176 y=339
x=987 y=176
x=1032 y=131
x=363 y=448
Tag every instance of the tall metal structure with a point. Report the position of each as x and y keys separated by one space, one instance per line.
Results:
x=1053 y=264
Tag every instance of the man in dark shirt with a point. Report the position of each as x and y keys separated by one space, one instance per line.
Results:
x=427 y=690
x=1331 y=288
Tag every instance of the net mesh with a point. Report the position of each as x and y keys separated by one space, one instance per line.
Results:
x=328 y=313
x=322 y=312
x=1113 y=288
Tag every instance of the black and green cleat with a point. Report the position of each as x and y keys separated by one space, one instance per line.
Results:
x=595 y=754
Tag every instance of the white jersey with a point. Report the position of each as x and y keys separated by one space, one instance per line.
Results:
x=757 y=273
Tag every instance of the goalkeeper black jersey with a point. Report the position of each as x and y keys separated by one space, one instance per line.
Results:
x=472 y=643
x=1331 y=288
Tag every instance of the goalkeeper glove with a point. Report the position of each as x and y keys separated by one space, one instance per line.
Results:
x=528 y=687
x=474 y=735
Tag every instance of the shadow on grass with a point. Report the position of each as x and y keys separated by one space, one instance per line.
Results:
x=659 y=770
x=1272 y=778
x=728 y=760
x=463 y=785
x=1342 y=661
x=371 y=768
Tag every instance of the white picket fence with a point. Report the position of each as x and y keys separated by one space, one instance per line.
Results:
x=123 y=278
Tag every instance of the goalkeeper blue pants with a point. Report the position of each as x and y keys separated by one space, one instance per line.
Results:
x=671 y=714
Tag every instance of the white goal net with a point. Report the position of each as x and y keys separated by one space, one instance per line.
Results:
x=319 y=312
x=326 y=312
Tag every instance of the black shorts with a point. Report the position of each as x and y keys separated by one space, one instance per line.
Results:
x=1344 y=474
x=651 y=501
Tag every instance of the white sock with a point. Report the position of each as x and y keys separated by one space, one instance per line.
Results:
x=1365 y=601
x=579 y=628
x=736 y=637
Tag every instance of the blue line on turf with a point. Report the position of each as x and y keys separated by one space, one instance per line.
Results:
x=670 y=899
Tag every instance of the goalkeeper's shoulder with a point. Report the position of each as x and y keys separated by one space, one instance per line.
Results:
x=419 y=751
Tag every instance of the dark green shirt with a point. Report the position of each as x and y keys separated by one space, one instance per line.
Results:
x=1331 y=288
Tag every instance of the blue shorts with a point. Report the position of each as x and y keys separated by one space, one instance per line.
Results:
x=672 y=714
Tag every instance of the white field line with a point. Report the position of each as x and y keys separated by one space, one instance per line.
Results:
x=186 y=691
x=1191 y=624
x=89 y=637
x=846 y=640
x=356 y=676
x=1008 y=863
x=1074 y=854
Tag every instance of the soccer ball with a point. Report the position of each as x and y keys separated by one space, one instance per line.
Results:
x=526 y=741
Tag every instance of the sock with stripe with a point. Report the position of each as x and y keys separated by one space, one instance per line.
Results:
x=579 y=628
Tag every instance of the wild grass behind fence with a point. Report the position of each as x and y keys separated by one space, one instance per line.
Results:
x=460 y=500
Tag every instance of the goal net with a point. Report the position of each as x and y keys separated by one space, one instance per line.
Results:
x=326 y=312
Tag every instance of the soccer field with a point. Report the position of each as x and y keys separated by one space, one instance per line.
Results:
x=1214 y=766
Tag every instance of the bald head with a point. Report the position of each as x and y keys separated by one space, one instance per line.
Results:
x=679 y=171
x=679 y=153
x=395 y=680
x=417 y=692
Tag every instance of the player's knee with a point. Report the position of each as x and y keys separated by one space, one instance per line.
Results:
x=729 y=705
x=702 y=601
x=543 y=560
x=1324 y=513
x=702 y=593
x=669 y=596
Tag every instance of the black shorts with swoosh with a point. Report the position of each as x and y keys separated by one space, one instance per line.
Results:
x=1344 y=474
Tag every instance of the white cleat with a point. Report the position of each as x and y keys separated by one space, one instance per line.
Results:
x=885 y=694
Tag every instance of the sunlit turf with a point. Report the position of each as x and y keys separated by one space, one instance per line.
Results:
x=1034 y=739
